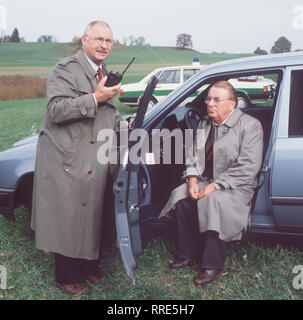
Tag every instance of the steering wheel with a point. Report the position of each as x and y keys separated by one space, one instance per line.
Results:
x=192 y=118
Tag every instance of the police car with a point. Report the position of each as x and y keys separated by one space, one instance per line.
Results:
x=169 y=79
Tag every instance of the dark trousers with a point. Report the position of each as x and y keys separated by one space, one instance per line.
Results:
x=204 y=247
x=72 y=270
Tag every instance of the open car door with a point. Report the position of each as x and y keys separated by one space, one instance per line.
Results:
x=126 y=197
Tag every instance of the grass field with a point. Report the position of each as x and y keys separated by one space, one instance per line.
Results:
x=32 y=54
x=17 y=118
x=254 y=270
x=48 y=54
x=36 y=59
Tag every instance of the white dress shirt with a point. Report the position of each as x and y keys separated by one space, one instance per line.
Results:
x=95 y=67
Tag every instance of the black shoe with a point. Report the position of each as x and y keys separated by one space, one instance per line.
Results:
x=181 y=263
x=73 y=288
x=93 y=279
x=206 y=276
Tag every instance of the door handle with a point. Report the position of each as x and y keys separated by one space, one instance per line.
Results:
x=264 y=170
x=262 y=179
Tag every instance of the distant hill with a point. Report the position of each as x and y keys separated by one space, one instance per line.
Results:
x=47 y=54
x=166 y=55
x=36 y=59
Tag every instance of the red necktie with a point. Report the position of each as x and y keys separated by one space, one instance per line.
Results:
x=100 y=74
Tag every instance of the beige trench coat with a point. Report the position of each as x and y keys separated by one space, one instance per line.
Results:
x=69 y=182
x=237 y=156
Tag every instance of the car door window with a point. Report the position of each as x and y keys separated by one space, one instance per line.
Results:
x=255 y=90
x=255 y=97
x=170 y=76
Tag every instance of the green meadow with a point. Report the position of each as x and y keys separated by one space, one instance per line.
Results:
x=37 y=59
x=32 y=54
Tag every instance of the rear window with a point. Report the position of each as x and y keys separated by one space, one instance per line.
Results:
x=170 y=76
x=188 y=73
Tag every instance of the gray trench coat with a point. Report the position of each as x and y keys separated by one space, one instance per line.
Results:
x=237 y=156
x=69 y=182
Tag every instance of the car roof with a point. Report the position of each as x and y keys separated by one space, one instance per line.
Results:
x=190 y=66
x=257 y=62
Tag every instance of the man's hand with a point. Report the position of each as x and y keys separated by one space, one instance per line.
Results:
x=210 y=188
x=193 y=188
x=103 y=94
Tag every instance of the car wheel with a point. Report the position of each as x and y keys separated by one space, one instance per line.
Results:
x=242 y=101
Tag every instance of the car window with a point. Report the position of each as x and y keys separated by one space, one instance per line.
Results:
x=295 y=125
x=260 y=94
x=188 y=73
x=170 y=76
x=255 y=90
x=252 y=91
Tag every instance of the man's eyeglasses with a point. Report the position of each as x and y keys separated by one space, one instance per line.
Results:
x=215 y=99
x=99 y=41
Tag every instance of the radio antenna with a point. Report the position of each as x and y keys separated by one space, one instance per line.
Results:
x=128 y=66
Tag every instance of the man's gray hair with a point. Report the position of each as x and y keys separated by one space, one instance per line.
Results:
x=227 y=86
x=91 y=24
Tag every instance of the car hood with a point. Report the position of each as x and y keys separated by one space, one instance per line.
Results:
x=24 y=148
x=27 y=140
x=134 y=86
x=17 y=161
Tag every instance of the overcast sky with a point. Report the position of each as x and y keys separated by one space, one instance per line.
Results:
x=233 y=26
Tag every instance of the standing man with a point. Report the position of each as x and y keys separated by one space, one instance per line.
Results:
x=213 y=206
x=69 y=183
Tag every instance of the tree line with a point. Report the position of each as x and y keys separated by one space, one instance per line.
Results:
x=183 y=41
x=280 y=46
x=14 y=37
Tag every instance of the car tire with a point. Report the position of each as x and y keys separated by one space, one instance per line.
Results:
x=243 y=102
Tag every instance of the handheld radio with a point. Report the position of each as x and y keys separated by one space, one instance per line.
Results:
x=114 y=78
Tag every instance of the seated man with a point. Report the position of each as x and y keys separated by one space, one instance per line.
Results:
x=213 y=206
